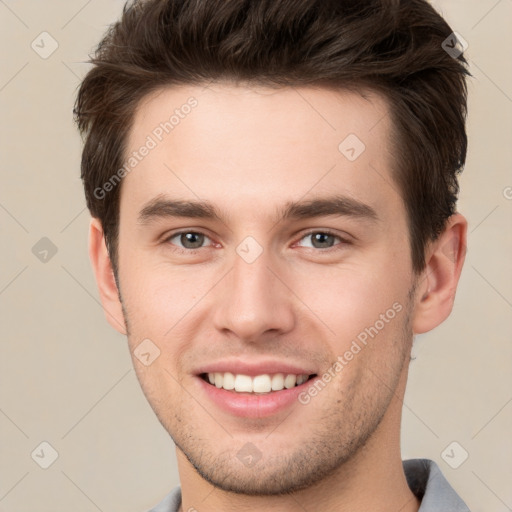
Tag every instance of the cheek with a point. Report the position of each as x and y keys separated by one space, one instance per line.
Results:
x=349 y=299
x=158 y=297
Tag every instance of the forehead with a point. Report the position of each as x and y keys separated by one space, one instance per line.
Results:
x=250 y=147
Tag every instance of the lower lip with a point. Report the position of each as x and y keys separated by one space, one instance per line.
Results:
x=252 y=405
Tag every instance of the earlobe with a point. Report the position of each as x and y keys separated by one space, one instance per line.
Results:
x=438 y=283
x=104 y=274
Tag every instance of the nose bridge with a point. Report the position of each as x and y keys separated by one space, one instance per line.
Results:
x=253 y=300
x=251 y=279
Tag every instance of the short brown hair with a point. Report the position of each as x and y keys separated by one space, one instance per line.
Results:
x=395 y=47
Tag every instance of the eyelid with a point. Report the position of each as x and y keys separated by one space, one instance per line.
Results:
x=343 y=240
x=167 y=237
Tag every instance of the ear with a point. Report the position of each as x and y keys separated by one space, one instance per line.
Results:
x=437 y=284
x=102 y=268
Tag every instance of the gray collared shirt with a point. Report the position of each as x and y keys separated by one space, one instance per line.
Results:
x=423 y=476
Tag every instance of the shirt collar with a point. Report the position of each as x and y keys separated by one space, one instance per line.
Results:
x=430 y=486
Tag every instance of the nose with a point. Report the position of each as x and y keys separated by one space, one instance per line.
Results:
x=254 y=303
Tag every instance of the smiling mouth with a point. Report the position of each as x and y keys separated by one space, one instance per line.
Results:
x=259 y=384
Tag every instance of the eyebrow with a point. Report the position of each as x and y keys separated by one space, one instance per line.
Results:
x=334 y=205
x=162 y=207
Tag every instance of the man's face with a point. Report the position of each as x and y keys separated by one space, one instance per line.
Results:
x=268 y=287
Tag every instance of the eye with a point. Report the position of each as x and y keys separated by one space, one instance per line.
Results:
x=322 y=239
x=188 y=239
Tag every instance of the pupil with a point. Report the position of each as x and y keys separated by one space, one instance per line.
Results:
x=322 y=239
x=192 y=240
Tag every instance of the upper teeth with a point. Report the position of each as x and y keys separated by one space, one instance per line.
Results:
x=258 y=384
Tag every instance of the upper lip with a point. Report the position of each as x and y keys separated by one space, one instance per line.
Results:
x=253 y=368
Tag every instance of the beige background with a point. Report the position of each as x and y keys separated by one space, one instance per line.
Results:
x=66 y=376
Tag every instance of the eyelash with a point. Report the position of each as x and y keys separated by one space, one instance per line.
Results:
x=343 y=241
x=183 y=249
x=335 y=247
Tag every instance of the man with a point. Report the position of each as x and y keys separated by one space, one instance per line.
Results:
x=272 y=187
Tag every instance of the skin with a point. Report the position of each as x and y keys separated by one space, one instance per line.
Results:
x=249 y=151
